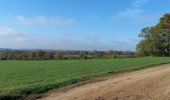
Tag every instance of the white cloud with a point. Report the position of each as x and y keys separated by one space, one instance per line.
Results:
x=138 y=16
x=23 y=20
x=10 y=34
x=131 y=13
x=136 y=13
x=42 y=20
x=139 y=3
x=10 y=38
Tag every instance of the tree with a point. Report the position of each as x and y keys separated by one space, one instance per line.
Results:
x=37 y=55
x=82 y=55
x=40 y=55
x=111 y=53
x=155 y=40
x=3 y=56
x=32 y=56
x=59 y=56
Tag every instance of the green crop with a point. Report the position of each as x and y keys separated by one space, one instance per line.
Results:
x=18 y=78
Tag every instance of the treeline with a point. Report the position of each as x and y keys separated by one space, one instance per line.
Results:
x=26 y=55
x=7 y=54
x=155 y=40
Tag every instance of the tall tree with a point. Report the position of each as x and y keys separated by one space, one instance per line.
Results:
x=155 y=40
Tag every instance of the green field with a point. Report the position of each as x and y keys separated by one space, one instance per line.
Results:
x=30 y=77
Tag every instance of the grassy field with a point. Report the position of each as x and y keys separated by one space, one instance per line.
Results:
x=29 y=77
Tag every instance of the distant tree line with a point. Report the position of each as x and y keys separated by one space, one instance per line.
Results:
x=8 y=54
x=26 y=55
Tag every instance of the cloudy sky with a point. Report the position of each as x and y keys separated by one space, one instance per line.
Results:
x=77 y=24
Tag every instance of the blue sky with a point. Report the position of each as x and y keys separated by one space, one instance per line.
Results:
x=77 y=24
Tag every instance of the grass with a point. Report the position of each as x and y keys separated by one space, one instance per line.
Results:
x=18 y=78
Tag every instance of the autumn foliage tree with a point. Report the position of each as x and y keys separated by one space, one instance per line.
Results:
x=155 y=40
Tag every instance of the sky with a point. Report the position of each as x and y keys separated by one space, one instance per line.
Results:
x=77 y=24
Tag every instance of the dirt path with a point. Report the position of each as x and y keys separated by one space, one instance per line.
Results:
x=147 y=84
